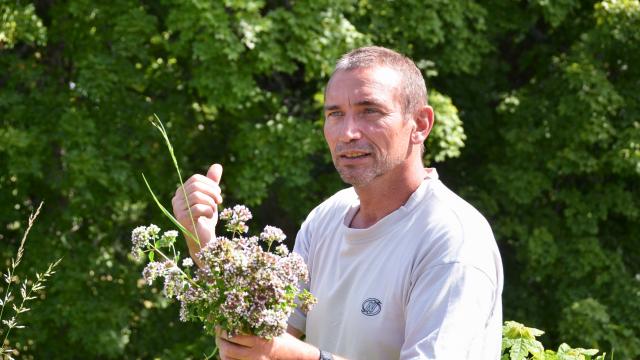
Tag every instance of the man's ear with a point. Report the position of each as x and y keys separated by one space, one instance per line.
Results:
x=424 y=119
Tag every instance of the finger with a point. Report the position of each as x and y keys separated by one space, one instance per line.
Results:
x=177 y=200
x=179 y=207
x=200 y=179
x=176 y=204
x=196 y=211
x=209 y=187
x=212 y=190
x=203 y=179
x=197 y=180
x=193 y=178
x=242 y=340
x=230 y=350
x=223 y=350
x=215 y=172
x=198 y=197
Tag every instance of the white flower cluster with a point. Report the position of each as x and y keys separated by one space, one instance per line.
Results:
x=271 y=234
x=239 y=286
x=236 y=219
x=143 y=237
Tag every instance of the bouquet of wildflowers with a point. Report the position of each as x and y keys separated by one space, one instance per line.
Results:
x=241 y=285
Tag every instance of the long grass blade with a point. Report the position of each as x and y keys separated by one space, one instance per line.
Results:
x=158 y=124
x=168 y=214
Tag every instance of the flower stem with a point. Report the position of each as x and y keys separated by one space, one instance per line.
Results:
x=213 y=353
x=167 y=258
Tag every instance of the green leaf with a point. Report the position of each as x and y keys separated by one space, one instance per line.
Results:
x=516 y=330
x=567 y=352
x=519 y=350
x=151 y=255
x=165 y=241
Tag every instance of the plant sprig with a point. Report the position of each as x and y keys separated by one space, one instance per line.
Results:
x=27 y=291
x=519 y=343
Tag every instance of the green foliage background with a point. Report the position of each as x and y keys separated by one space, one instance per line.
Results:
x=550 y=152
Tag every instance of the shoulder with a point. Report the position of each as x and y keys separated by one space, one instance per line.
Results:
x=334 y=206
x=449 y=210
x=323 y=219
x=455 y=232
x=328 y=214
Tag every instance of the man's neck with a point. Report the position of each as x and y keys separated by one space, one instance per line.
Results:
x=385 y=194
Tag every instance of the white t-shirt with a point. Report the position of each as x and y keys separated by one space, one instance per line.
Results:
x=424 y=282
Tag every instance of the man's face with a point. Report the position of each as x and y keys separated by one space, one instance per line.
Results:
x=364 y=123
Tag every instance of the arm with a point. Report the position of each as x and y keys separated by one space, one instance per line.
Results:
x=203 y=195
x=448 y=308
x=284 y=347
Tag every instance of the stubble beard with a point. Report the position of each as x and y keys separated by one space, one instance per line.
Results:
x=359 y=177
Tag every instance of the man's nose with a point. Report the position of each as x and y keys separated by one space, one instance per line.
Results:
x=350 y=129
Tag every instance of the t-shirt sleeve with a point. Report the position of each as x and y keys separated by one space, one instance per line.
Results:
x=298 y=319
x=447 y=310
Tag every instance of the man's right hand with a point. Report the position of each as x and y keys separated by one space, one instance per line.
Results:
x=203 y=195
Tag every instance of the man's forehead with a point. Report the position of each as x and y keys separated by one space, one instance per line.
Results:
x=373 y=83
x=382 y=75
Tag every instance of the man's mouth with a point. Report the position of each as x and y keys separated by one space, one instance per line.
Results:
x=354 y=155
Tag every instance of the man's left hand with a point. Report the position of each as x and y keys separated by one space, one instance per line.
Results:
x=248 y=347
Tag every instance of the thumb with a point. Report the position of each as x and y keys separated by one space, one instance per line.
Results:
x=215 y=172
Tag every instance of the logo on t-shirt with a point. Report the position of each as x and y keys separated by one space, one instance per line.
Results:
x=371 y=307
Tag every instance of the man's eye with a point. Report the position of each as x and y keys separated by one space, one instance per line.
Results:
x=371 y=111
x=335 y=114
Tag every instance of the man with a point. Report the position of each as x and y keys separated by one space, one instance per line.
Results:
x=402 y=267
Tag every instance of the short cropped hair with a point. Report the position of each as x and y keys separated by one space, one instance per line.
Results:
x=414 y=88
